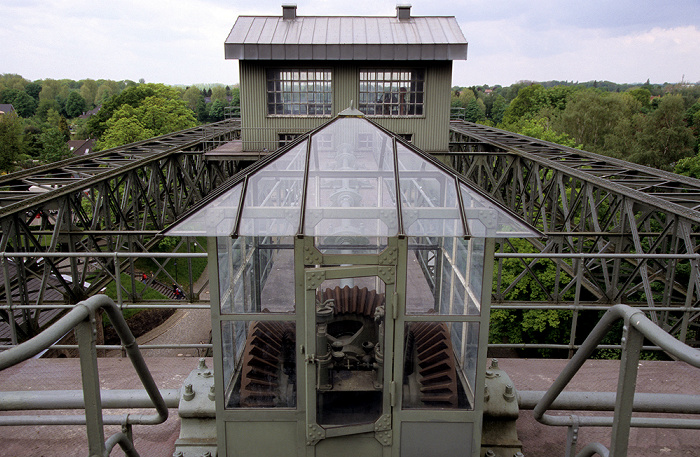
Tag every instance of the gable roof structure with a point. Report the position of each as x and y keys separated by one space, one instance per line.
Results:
x=6 y=108
x=291 y=37
x=343 y=179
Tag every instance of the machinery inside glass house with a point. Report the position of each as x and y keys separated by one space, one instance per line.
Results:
x=350 y=298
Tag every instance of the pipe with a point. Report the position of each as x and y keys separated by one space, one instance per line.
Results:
x=78 y=314
x=648 y=329
x=593 y=449
x=73 y=399
x=605 y=401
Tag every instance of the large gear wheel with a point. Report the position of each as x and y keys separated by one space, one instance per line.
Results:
x=429 y=352
x=268 y=366
x=353 y=300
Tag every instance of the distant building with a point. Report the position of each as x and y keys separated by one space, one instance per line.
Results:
x=92 y=112
x=298 y=72
x=6 y=108
x=81 y=147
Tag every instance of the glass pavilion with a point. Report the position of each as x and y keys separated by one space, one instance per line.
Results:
x=350 y=299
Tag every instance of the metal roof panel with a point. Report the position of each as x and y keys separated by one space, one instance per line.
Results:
x=437 y=37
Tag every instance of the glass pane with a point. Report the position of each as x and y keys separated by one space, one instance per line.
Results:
x=218 y=218
x=428 y=197
x=350 y=360
x=434 y=354
x=351 y=190
x=259 y=364
x=445 y=276
x=487 y=219
x=273 y=196
x=255 y=275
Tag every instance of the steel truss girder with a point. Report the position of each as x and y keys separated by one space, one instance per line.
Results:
x=591 y=204
x=120 y=208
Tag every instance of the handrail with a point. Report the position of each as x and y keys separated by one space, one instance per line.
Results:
x=81 y=314
x=636 y=327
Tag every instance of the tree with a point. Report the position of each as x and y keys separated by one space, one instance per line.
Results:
x=191 y=96
x=498 y=109
x=663 y=136
x=75 y=105
x=158 y=114
x=219 y=93
x=123 y=131
x=236 y=96
x=88 y=90
x=33 y=90
x=54 y=145
x=10 y=141
x=132 y=96
x=642 y=95
x=592 y=116
x=201 y=110
x=23 y=103
x=475 y=111
x=52 y=89
x=529 y=101
x=216 y=112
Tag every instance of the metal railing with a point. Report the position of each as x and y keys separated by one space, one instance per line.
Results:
x=686 y=312
x=636 y=328
x=82 y=319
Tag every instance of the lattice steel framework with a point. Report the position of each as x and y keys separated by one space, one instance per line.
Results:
x=618 y=232
x=106 y=202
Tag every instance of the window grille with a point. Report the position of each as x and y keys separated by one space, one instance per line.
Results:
x=296 y=92
x=392 y=92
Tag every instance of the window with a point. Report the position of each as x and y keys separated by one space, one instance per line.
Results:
x=392 y=92
x=294 y=92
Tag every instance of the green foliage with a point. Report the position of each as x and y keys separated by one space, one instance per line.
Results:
x=141 y=288
x=533 y=326
x=642 y=95
x=662 y=137
x=218 y=93
x=123 y=131
x=475 y=111
x=132 y=96
x=54 y=146
x=75 y=105
x=23 y=103
x=498 y=109
x=141 y=118
x=11 y=141
x=216 y=112
x=235 y=96
x=541 y=128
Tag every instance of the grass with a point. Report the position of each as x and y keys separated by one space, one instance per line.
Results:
x=175 y=269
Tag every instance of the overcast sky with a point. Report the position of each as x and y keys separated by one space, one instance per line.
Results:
x=181 y=41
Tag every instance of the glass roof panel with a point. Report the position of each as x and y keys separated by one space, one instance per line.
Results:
x=429 y=202
x=351 y=192
x=274 y=194
x=487 y=219
x=218 y=218
x=351 y=186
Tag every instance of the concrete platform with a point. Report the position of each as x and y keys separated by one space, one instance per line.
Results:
x=169 y=373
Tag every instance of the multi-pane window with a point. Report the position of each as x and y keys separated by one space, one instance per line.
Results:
x=296 y=92
x=392 y=92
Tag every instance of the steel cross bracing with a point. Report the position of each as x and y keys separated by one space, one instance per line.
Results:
x=105 y=202
x=617 y=232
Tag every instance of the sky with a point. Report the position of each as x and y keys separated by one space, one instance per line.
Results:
x=182 y=41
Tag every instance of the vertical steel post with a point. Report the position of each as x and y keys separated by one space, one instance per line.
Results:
x=632 y=341
x=85 y=334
